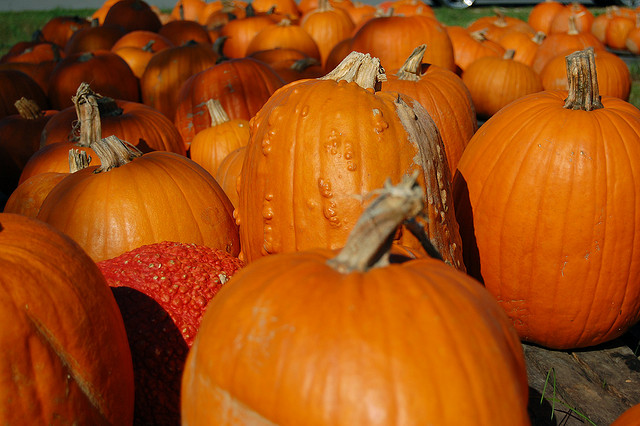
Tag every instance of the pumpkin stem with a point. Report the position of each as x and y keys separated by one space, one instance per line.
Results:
x=539 y=37
x=360 y=68
x=78 y=160
x=411 y=69
x=509 y=54
x=88 y=112
x=583 y=81
x=573 y=27
x=216 y=112
x=28 y=109
x=113 y=152
x=369 y=242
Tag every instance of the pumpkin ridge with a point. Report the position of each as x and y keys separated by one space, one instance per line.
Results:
x=69 y=363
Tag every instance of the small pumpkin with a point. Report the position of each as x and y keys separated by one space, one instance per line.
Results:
x=210 y=146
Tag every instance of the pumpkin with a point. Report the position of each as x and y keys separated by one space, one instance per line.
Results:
x=469 y=46
x=558 y=43
x=210 y=146
x=287 y=9
x=542 y=15
x=241 y=85
x=27 y=198
x=632 y=44
x=393 y=38
x=284 y=35
x=524 y=45
x=19 y=140
x=15 y=85
x=108 y=73
x=54 y=157
x=327 y=26
x=351 y=347
x=132 y=15
x=360 y=137
x=102 y=11
x=614 y=77
x=496 y=27
x=444 y=96
x=38 y=72
x=574 y=10
x=162 y=291
x=238 y=33
x=93 y=38
x=558 y=258
x=144 y=127
x=297 y=70
x=65 y=355
x=168 y=69
x=180 y=32
x=59 y=29
x=188 y=10
x=36 y=53
x=127 y=210
x=618 y=30
x=140 y=38
x=495 y=82
x=629 y=417
x=228 y=173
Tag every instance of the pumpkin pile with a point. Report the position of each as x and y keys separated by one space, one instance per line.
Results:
x=281 y=212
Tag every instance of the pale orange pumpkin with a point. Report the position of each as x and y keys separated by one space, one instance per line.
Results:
x=211 y=145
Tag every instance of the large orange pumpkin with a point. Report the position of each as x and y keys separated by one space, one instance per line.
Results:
x=317 y=149
x=65 y=354
x=134 y=200
x=308 y=338
x=547 y=195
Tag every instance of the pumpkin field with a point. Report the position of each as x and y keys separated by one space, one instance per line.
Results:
x=320 y=212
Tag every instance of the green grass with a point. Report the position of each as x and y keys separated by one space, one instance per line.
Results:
x=20 y=26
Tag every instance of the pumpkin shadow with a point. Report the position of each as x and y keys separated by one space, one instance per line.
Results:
x=158 y=352
x=464 y=217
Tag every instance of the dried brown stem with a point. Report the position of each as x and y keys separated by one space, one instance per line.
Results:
x=584 y=93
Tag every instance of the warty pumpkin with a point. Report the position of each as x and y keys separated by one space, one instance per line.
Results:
x=318 y=146
x=316 y=338
x=546 y=195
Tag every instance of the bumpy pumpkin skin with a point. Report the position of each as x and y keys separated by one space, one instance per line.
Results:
x=551 y=201
x=161 y=196
x=372 y=348
x=310 y=164
x=65 y=356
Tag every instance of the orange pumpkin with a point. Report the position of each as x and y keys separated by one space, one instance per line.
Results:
x=241 y=85
x=211 y=145
x=132 y=15
x=495 y=82
x=469 y=46
x=558 y=257
x=388 y=38
x=444 y=96
x=327 y=26
x=629 y=417
x=133 y=200
x=542 y=15
x=142 y=126
x=350 y=348
x=284 y=35
x=228 y=173
x=168 y=69
x=298 y=192
x=238 y=33
x=65 y=354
